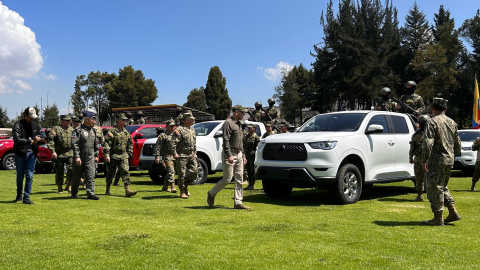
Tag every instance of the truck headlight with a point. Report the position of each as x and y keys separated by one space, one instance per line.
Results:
x=328 y=145
x=467 y=148
x=260 y=145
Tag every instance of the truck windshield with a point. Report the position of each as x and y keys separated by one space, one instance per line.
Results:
x=203 y=129
x=468 y=136
x=334 y=122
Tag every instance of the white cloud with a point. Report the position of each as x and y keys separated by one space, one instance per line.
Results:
x=65 y=111
x=22 y=84
x=18 y=92
x=49 y=76
x=20 y=55
x=275 y=73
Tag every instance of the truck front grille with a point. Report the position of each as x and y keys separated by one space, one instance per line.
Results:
x=148 y=149
x=285 y=152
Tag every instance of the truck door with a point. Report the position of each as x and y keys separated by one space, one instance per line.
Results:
x=403 y=134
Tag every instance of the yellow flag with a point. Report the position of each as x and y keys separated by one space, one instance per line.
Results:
x=475 y=102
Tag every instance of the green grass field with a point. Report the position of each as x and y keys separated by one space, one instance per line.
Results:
x=158 y=230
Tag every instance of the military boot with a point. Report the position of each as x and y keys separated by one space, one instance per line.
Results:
x=128 y=192
x=452 y=214
x=186 y=190
x=436 y=221
x=472 y=188
x=172 y=189
x=182 y=193
x=68 y=187
x=419 y=198
x=60 y=188
x=165 y=186
x=107 y=191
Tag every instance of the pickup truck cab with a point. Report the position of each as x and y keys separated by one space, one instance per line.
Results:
x=140 y=134
x=343 y=151
x=209 y=151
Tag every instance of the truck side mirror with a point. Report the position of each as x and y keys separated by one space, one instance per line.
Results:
x=374 y=129
x=218 y=134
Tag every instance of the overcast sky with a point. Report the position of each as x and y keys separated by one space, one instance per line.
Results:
x=44 y=45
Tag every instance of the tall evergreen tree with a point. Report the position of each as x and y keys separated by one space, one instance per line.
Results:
x=132 y=89
x=196 y=99
x=51 y=116
x=78 y=98
x=4 y=120
x=216 y=94
x=470 y=31
x=446 y=35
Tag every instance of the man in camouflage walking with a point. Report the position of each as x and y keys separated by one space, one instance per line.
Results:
x=118 y=148
x=185 y=154
x=412 y=99
x=250 y=143
x=165 y=148
x=416 y=151
x=440 y=146
x=60 y=145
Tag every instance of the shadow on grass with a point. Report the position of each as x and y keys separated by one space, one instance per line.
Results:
x=160 y=197
x=206 y=207
x=404 y=223
x=296 y=198
x=395 y=200
x=11 y=201
x=63 y=198
x=459 y=174
x=146 y=183
x=382 y=192
x=463 y=190
x=45 y=192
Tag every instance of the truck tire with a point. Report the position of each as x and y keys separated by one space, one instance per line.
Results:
x=156 y=176
x=348 y=186
x=8 y=162
x=202 y=172
x=276 y=190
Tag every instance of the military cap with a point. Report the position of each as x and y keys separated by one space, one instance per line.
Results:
x=170 y=122
x=385 y=90
x=179 y=108
x=73 y=117
x=140 y=113
x=271 y=100
x=423 y=118
x=238 y=108
x=251 y=126
x=440 y=101
x=410 y=83
x=258 y=103
x=269 y=124
x=129 y=114
x=77 y=119
x=284 y=123
x=188 y=116
x=65 y=117
x=122 y=116
x=89 y=114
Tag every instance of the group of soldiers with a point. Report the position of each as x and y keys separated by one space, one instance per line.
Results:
x=433 y=148
x=76 y=149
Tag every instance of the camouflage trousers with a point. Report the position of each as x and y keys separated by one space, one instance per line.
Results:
x=476 y=173
x=122 y=165
x=437 y=190
x=250 y=168
x=170 y=169
x=186 y=170
x=60 y=163
x=419 y=175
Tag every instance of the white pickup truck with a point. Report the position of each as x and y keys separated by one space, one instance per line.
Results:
x=209 y=151
x=343 y=151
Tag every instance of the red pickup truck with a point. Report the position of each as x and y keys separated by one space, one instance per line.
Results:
x=139 y=134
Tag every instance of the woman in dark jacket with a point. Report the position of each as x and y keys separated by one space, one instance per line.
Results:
x=26 y=136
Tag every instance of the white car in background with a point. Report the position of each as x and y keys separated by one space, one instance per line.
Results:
x=209 y=151
x=468 y=157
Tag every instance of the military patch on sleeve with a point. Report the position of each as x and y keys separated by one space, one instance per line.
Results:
x=110 y=134
x=53 y=133
x=74 y=135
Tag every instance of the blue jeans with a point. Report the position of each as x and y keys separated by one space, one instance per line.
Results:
x=25 y=167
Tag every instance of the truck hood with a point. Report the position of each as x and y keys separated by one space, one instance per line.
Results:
x=306 y=137
x=467 y=144
x=151 y=141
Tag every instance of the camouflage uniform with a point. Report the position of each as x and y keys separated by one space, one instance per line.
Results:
x=120 y=147
x=476 y=173
x=273 y=112
x=389 y=104
x=165 y=148
x=186 y=149
x=141 y=121
x=85 y=147
x=441 y=144
x=415 y=101
x=60 y=142
x=250 y=143
x=416 y=151
x=266 y=134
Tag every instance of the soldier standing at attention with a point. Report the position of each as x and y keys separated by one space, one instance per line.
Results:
x=269 y=128
x=258 y=113
x=250 y=143
x=272 y=111
x=416 y=151
x=141 y=121
x=60 y=145
x=476 y=173
x=165 y=148
x=389 y=104
x=118 y=148
x=284 y=127
x=440 y=146
x=185 y=154
x=85 y=154
x=233 y=159
x=130 y=120
x=412 y=99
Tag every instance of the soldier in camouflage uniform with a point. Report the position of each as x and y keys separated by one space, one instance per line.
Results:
x=85 y=154
x=250 y=143
x=416 y=151
x=269 y=128
x=186 y=154
x=389 y=104
x=271 y=111
x=179 y=118
x=258 y=113
x=60 y=145
x=165 y=148
x=130 y=120
x=412 y=99
x=118 y=148
x=284 y=127
x=100 y=138
x=77 y=122
x=140 y=121
x=440 y=146
x=476 y=173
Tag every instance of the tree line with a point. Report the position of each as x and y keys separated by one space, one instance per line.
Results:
x=365 y=49
x=48 y=116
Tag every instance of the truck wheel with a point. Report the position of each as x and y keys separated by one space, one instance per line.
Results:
x=276 y=190
x=202 y=172
x=348 y=186
x=156 y=176
x=8 y=162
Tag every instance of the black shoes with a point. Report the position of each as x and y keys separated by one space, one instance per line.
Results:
x=27 y=201
x=94 y=197
x=74 y=196
x=19 y=198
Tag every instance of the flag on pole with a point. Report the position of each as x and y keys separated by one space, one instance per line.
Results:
x=476 y=107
